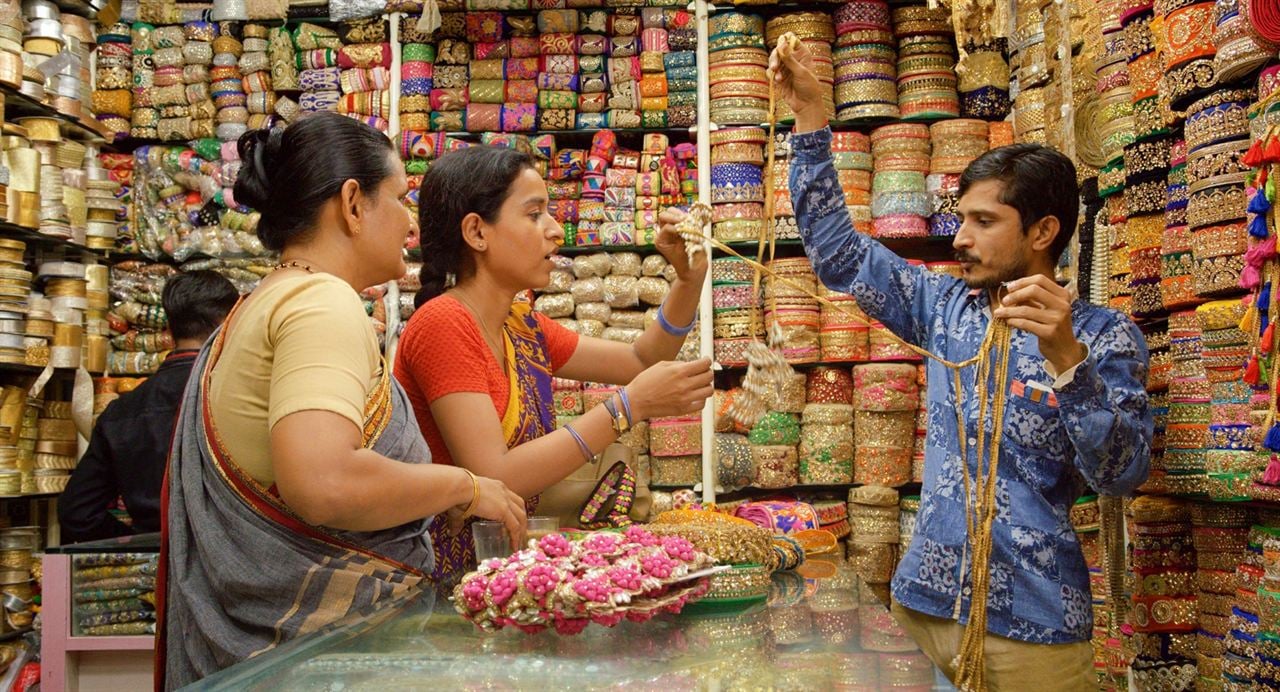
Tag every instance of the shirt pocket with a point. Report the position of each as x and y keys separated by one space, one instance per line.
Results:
x=1037 y=439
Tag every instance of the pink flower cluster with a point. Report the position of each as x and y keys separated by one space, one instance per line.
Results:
x=604 y=578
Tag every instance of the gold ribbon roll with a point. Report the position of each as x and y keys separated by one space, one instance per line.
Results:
x=24 y=170
x=98 y=277
x=77 y=211
x=68 y=336
x=24 y=208
x=101 y=216
x=42 y=129
x=42 y=46
x=98 y=347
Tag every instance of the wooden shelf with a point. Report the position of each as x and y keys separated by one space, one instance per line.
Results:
x=571 y=250
x=16 y=634
x=774 y=8
x=19 y=105
x=929 y=249
x=144 y=642
x=23 y=368
x=34 y=237
x=84 y=8
x=830 y=364
x=691 y=131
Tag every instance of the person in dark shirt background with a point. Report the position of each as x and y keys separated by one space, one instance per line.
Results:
x=130 y=442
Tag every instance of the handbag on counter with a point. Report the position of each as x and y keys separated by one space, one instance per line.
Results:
x=603 y=493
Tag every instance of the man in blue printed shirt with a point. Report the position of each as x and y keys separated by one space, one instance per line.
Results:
x=1076 y=412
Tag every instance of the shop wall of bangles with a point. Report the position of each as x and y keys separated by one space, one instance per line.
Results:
x=118 y=168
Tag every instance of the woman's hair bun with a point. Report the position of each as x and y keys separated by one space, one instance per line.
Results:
x=287 y=175
x=259 y=150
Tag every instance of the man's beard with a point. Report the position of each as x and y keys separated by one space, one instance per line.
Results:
x=1016 y=269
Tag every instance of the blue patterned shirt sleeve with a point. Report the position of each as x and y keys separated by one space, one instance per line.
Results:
x=902 y=296
x=1104 y=408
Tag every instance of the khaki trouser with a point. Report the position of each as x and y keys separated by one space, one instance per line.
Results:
x=1011 y=665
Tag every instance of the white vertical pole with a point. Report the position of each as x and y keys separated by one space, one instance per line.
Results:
x=705 y=309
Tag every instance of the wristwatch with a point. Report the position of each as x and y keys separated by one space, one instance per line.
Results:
x=620 y=423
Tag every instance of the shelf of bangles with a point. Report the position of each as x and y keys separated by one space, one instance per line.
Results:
x=588 y=132
x=735 y=368
x=775 y=7
x=933 y=248
x=929 y=249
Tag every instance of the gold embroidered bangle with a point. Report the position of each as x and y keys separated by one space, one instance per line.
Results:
x=1217 y=123
x=1188 y=80
x=1188 y=34
x=1216 y=205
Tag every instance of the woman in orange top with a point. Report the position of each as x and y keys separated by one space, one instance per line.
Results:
x=478 y=367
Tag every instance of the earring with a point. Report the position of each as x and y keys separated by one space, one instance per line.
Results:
x=482 y=246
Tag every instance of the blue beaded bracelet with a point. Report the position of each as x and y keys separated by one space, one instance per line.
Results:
x=670 y=328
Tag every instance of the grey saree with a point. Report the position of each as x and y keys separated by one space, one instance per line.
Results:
x=241 y=573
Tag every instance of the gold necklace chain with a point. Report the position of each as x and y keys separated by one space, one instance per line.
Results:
x=500 y=353
x=992 y=378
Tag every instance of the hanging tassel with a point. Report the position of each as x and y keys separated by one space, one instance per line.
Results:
x=1250 y=320
x=1258 y=226
x=1252 y=372
x=1259 y=178
x=1271 y=150
x=1253 y=157
x=1268 y=335
x=1272 y=475
x=1250 y=277
x=1272 y=440
x=1264 y=250
x=1258 y=203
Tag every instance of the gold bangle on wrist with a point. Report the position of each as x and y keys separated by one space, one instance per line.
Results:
x=475 y=495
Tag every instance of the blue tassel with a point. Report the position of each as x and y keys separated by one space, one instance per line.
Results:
x=1258 y=226
x=1258 y=204
x=1264 y=298
x=1272 y=440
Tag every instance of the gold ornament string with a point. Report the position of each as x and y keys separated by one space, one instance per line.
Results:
x=980 y=497
x=767 y=366
x=980 y=486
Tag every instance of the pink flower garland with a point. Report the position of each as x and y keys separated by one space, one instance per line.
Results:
x=605 y=578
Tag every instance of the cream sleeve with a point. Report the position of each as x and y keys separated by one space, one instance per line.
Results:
x=326 y=353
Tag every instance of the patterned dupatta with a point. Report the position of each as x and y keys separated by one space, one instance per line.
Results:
x=242 y=573
x=527 y=417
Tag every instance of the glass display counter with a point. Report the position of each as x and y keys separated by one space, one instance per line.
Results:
x=99 y=614
x=826 y=630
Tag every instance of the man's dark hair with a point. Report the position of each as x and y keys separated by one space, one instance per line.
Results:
x=1038 y=181
x=197 y=302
